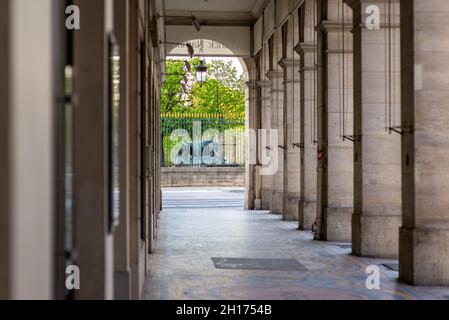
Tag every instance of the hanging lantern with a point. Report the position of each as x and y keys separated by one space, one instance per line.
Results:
x=201 y=72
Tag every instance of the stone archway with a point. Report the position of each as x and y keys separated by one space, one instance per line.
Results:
x=236 y=47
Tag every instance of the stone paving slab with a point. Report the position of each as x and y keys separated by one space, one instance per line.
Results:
x=181 y=267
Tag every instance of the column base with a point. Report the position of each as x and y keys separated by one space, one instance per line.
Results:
x=122 y=285
x=307 y=215
x=277 y=202
x=266 y=199
x=337 y=224
x=249 y=199
x=257 y=204
x=292 y=207
x=423 y=256
x=375 y=236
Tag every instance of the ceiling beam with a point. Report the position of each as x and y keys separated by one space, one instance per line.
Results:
x=210 y=18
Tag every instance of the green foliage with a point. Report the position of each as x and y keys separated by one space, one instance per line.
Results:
x=171 y=99
x=222 y=93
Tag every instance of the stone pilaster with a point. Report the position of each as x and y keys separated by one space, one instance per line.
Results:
x=292 y=126
x=308 y=188
x=377 y=167
x=335 y=170
x=277 y=122
x=424 y=235
x=267 y=181
x=251 y=147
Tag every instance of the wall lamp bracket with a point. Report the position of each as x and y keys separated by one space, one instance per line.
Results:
x=402 y=130
x=354 y=139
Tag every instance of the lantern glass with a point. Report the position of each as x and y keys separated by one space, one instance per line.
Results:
x=201 y=73
x=200 y=77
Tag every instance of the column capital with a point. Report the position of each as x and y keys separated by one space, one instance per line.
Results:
x=274 y=74
x=329 y=51
x=305 y=47
x=335 y=26
x=289 y=63
x=251 y=84
x=352 y=3
x=264 y=84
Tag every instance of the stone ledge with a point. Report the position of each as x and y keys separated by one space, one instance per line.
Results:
x=200 y=177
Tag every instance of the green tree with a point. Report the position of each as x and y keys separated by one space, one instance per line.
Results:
x=171 y=91
x=222 y=93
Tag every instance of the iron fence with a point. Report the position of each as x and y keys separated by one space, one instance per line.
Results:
x=202 y=140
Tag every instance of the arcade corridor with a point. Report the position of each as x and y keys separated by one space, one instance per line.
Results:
x=189 y=237
x=345 y=158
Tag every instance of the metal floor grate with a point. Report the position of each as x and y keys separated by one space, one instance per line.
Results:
x=258 y=264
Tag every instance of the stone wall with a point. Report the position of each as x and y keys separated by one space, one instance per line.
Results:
x=200 y=177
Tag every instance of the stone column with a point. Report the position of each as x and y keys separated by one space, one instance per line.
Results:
x=5 y=143
x=335 y=182
x=93 y=239
x=292 y=122
x=277 y=122
x=306 y=51
x=27 y=148
x=251 y=147
x=122 y=269
x=377 y=167
x=307 y=212
x=267 y=181
x=424 y=235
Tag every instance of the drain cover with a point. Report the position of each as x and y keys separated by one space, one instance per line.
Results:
x=392 y=266
x=258 y=264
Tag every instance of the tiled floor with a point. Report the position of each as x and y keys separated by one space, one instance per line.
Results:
x=194 y=231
